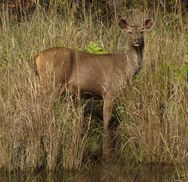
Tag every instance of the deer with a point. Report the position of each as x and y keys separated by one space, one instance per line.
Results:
x=100 y=75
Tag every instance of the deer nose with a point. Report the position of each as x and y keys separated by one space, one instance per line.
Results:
x=137 y=40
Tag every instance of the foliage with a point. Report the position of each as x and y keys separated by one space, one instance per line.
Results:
x=95 y=48
x=39 y=131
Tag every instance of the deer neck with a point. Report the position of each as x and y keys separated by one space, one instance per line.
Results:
x=135 y=54
x=133 y=63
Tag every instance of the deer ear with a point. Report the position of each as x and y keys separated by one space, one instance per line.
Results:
x=148 y=24
x=123 y=24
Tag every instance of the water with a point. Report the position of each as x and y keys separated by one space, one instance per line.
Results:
x=101 y=173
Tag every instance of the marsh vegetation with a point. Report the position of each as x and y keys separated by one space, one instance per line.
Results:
x=40 y=131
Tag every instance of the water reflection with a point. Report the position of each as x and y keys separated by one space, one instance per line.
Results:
x=115 y=173
x=102 y=173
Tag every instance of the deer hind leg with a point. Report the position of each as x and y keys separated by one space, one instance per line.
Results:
x=107 y=114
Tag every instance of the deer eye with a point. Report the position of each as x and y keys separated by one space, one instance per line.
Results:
x=141 y=31
x=129 y=32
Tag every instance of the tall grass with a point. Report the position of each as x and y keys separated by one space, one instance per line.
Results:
x=38 y=130
x=154 y=111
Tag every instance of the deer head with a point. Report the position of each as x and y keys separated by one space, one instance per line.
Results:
x=135 y=32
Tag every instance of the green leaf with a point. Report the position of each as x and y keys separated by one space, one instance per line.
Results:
x=95 y=48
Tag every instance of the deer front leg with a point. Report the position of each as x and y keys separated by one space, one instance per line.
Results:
x=107 y=114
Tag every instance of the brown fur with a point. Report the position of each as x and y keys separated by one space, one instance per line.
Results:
x=102 y=75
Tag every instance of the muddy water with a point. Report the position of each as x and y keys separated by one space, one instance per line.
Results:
x=115 y=173
x=110 y=173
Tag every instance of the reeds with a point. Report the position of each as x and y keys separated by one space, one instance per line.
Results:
x=153 y=125
x=38 y=130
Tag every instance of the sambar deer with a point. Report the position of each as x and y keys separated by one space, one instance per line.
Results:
x=101 y=75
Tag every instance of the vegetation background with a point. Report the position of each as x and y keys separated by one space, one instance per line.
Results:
x=152 y=113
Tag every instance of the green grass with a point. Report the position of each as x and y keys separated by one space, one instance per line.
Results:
x=39 y=130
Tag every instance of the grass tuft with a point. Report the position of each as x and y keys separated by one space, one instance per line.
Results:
x=38 y=130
